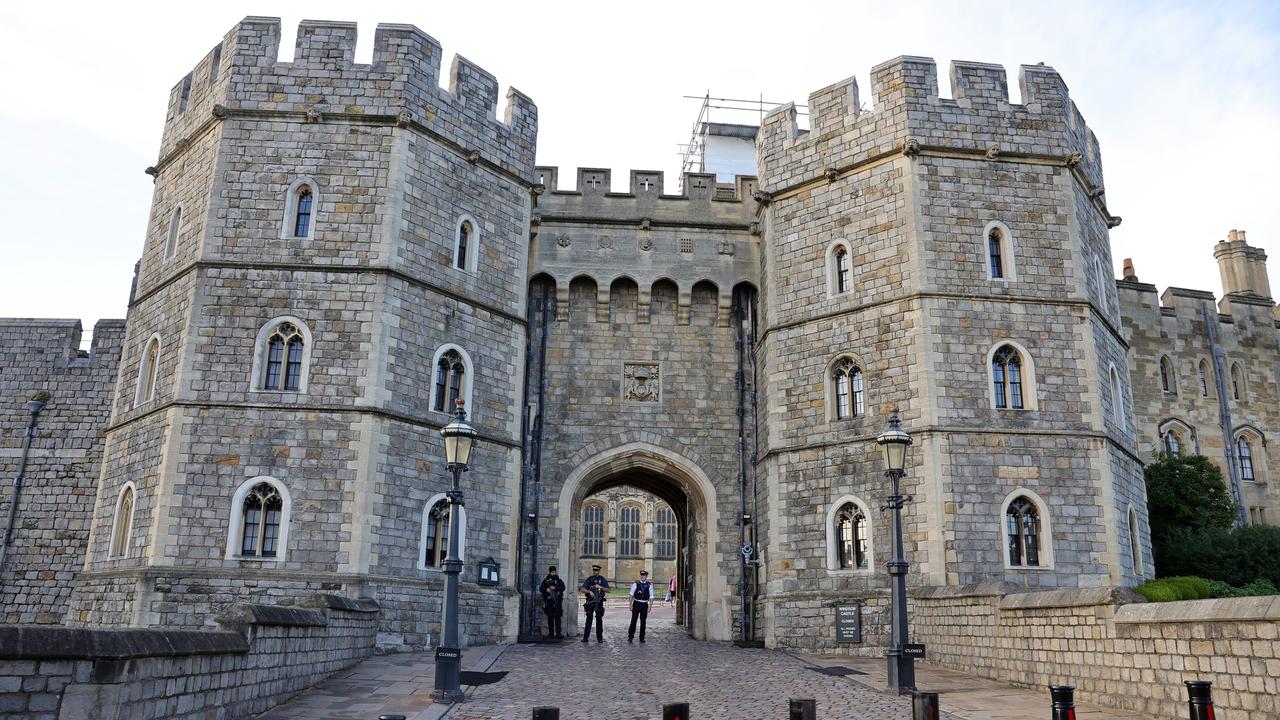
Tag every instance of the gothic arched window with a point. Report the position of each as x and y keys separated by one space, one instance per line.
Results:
x=284 y=354
x=302 y=212
x=1171 y=443
x=171 y=239
x=450 y=378
x=1204 y=379
x=435 y=539
x=665 y=530
x=593 y=530
x=1006 y=378
x=1022 y=527
x=995 y=253
x=842 y=269
x=462 y=250
x=147 y=370
x=629 y=531
x=260 y=514
x=1167 y=381
x=1237 y=382
x=849 y=396
x=851 y=538
x=1244 y=458
x=122 y=528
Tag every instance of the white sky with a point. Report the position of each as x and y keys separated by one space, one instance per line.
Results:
x=1184 y=98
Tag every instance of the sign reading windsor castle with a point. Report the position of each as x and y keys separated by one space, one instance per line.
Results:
x=337 y=253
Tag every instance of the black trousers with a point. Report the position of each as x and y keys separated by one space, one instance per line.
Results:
x=553 y=612
x=595 y=610
x=638 y=610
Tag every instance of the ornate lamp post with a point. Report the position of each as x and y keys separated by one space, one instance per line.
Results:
x=893 y=444
x=459 y=439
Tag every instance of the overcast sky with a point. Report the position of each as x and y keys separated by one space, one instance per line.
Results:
x=1184 y=98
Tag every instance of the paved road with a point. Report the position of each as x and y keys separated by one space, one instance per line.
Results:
x=590 y=681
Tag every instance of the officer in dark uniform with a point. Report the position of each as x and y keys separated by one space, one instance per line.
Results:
x=639 y=597
x=594 y=588
x=552 y=589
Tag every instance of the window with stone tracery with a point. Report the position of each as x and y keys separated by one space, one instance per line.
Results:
x=629 y=531
x=284 y=353
x=450 y=376
x=260 y=525
x=593 y=530
x=849 y=395
x=851 y=538
x=435 y=539
x=1006 y=378
x=1022 y=528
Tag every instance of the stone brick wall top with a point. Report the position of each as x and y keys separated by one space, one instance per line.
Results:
x=908 y=110
x=243 y=73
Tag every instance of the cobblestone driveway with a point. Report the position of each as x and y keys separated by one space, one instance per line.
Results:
x=622 y=681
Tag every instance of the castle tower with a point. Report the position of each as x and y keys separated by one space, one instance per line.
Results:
x=335 y=252
x=949 y=257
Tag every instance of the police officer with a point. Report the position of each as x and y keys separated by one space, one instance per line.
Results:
x=641 y=593
x=552 y=589
x=594 y=588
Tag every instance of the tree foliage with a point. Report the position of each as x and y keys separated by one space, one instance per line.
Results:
x=1186 y=492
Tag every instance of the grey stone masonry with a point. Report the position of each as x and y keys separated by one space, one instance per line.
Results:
x=912 y=192
x=393 y=165
x=51 y=527
x=1179 y=404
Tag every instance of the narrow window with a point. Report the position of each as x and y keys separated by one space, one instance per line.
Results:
x=1171 y=443
x=994 y=240
x=842 y=269
x=1244 y=456
x=171 y=241
x=450 y=377
x=1237 y=382
x=593 y=530
x=1006 y=378
x=147 y=372
x=1117 y=401
x=124 y=524
x=851 y=538
x=1135 y=545
x=842 y=394
x=435 y=546
x=1023 y=529
x=302 y=214
x=1166 y=375
x=283 y=367
x=464 y=239
x=629 y=532
x=1204 y=379
x=261 y=522
x=665 y=529
x=855 y=377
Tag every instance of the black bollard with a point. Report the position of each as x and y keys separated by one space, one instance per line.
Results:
x=1200 y=699
x=1064 y=702
x=804 y=710
x=675 y=711
x=924 y=706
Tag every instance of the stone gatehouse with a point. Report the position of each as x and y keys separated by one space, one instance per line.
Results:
x=338 y=252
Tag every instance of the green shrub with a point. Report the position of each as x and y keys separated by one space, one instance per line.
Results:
x=1158 y=591
x=1191 y=588
x=1237 y=555
x=1253 y=589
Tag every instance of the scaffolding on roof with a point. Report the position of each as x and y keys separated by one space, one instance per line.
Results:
x=692 y=153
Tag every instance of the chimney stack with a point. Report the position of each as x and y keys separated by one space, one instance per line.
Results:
x=1129 y=273
x=1243 y=268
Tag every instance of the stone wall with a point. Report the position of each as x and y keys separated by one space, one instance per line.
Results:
x=262 y=656
x=1117 y=650
x=54 y=510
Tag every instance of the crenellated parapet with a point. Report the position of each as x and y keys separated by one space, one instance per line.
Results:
x=243 y=75
x=646 y=202
x=911 y=118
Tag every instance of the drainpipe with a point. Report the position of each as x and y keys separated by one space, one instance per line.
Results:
x=1224 y=410
x=34 y=406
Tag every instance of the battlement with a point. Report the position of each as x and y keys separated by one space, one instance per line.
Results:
x=56 y=341
x=704 y=201
x=244 y=74
x=909 y=109
x=1245 y=285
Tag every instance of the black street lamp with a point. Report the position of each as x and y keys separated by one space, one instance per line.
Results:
x=34 y=406
x=893 y=443
x=459 y=439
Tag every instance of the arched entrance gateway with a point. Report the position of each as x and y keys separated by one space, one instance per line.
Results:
x=688 y=491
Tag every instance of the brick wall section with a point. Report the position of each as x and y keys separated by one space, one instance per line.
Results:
x=54 y=511
x=1117 y=650
x=262 y=656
